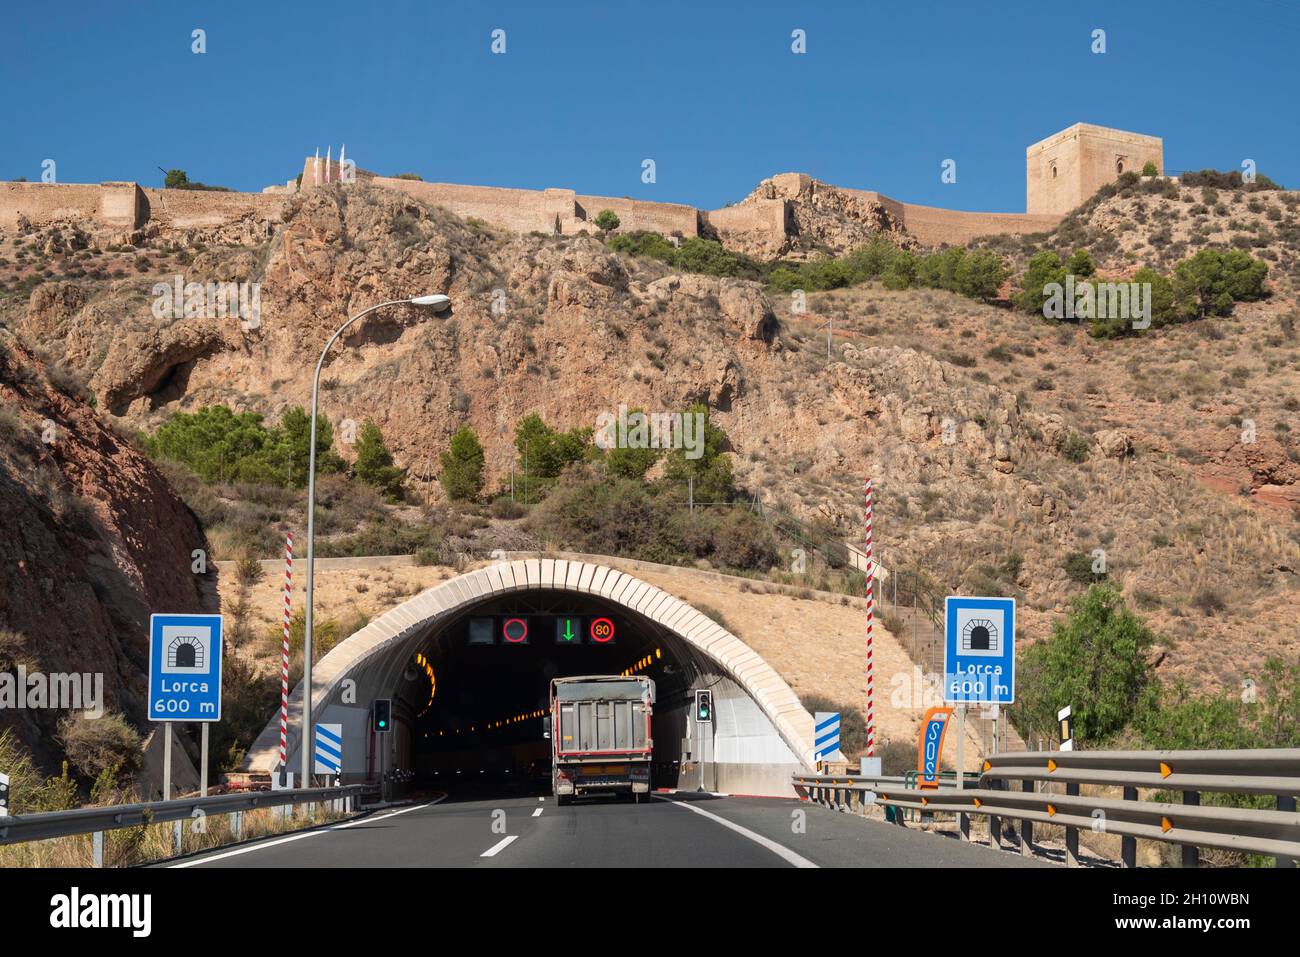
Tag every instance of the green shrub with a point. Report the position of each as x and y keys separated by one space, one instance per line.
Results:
x=1043 y=268
x=607 y=220
x=374 y=463
x=1149 y=169
x=1211 y=281
x=1076 y=448
x=219 y=445
x=1081 y=264
x=1096 y=662
x=1078 y=568
x=462 y=466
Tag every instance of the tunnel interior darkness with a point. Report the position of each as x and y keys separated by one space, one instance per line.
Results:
x=474 y=694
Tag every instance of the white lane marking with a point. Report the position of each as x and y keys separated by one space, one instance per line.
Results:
x=779 y=850
x=298 y=837
x=540 y=799
x=537 y=813
x=500 y=846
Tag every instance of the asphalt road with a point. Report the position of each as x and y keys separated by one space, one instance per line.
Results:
x=679 y=830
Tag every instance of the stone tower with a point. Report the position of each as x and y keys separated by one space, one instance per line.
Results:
x=1066 y=168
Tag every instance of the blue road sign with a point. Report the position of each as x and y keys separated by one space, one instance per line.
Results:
x=329 y=748
x=979 y=651
x=185 y=668
x=826 y=735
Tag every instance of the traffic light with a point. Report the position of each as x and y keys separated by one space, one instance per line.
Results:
x=383 y=715
x=704 y=706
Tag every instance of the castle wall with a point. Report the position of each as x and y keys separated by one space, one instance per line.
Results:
x=194 y=208
x=935 y=227
x=529 y=210
x=635 y=214
x=42 y=203
x=765 y=220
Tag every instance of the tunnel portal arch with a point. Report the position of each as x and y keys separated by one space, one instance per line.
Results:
x=375 y=657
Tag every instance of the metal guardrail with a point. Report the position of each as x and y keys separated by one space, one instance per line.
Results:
x=1272 y=832
x=20 y=828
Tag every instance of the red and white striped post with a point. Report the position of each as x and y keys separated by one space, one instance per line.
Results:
x=871 y=602
x=284 y=657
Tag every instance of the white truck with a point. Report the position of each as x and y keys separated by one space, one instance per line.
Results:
x=600 y=735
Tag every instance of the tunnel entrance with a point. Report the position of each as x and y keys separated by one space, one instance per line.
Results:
x=468 y=664
x=477 y=709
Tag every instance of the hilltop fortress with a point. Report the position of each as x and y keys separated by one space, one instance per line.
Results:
x=790 y=214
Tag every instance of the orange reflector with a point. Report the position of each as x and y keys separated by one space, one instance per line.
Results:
x=1166 y=825
x=1051 y=765
x=987 y=766
x=1165 y=770
x=924 y=802
x=1051 y=810
x=977 y=802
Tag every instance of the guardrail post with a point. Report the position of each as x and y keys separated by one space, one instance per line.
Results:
x=995 y=822
x=1191 y=853
x=1071 y=833
x=237 y=824
x=1129 y=845
x=1026 y=826
x=177 y=834
x=1285 y=802
x=97 y=843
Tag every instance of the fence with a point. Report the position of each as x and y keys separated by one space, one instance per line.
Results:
x=1273 y=772
x=97 y=820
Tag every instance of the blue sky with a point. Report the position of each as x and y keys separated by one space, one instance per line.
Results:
x=585 y=91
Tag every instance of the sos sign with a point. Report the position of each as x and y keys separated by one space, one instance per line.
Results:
x=602 y=631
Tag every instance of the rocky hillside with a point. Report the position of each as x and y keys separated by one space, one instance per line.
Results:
x=92 y=540
x=1004 y=447
x=1156 y=222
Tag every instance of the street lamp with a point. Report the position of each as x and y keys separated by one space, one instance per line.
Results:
x=435 y=303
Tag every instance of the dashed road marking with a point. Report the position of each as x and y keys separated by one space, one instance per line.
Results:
x=537 y=813
x=500 y=846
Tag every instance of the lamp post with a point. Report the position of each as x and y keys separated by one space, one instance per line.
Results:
x=436 y=303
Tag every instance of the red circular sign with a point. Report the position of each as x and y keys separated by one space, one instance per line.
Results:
x=602 y=631
x=515 y=630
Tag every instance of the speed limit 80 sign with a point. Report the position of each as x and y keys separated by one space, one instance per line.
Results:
x=602 y=631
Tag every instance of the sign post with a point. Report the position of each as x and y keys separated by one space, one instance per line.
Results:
x=4 y=794
x=979 y=658
x=1067 y=728
x=185 y=653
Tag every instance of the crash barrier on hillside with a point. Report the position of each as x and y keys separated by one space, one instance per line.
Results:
x=97 y=820
x=1269 y=776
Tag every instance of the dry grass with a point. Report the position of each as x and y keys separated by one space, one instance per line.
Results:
x=131 y=846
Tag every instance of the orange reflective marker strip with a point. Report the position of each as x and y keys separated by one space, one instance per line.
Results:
x=1051 y=810
x=1051 y=765
x=1166 y=825
x=1165 y=770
